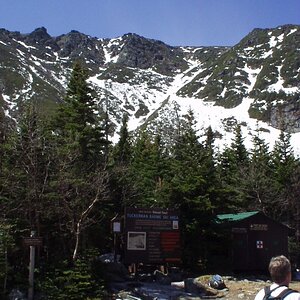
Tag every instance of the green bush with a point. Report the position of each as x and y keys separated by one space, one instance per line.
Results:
x=72 y=282
x=6 y=242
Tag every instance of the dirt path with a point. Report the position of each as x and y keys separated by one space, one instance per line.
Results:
x=246 y=289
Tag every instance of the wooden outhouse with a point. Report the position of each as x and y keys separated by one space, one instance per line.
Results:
x=255 y=239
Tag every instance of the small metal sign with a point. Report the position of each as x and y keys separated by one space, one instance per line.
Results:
x=259 y=244
x=33 y=241
x=259 y=227
x=116 y=226
x=238 y=230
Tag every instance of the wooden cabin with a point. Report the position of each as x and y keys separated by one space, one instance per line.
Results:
x=255 y=239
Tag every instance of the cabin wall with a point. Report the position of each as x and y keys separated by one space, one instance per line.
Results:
x=255 y=241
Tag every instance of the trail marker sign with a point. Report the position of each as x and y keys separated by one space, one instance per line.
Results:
x=33 y=241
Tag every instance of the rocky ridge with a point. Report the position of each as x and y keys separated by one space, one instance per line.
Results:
x=152 y=82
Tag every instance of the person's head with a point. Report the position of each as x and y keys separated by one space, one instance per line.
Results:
x=280 y=269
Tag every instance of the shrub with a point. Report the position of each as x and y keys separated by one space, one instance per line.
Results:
x=72 y=282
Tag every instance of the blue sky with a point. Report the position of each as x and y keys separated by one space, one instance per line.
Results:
x=175 y=22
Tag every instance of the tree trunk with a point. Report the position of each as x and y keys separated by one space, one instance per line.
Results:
x=77 y=236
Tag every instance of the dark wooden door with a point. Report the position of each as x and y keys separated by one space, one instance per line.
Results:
x=240 y=251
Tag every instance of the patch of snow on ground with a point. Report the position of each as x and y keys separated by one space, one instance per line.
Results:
x=273 y=41
x=185 y=79
x=24 y=45
x=107 y=54
x=280 y=38
x=62 y=80
x=199 y=48
x=185 y=49
x=295 y=138
x=122 y=91
x=248 y=49
x=224 y=92
x=278 y=86
x=21 y=52
x=292 y=31
x=267 y=54
x=252 y=75
x=206 y=113
x=11 y=106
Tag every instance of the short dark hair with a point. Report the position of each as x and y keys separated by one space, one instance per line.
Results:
x=279 y=268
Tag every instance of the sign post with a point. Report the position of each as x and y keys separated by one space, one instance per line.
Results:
x=32 y=241
x=31 y=269
x=116 y=228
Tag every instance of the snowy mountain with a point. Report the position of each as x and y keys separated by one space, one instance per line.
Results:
x=255 y=83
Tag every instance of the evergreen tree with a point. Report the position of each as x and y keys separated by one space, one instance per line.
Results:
x=283 y=159
x=120 y=184
x=81 y=177
x=28 y=169
x=3 y=151
x=147 y=171
x=2 y=132
x=6 y=243
x=210 y=172
x=238 y=148
x=283 y=166
x=77 y=123
x=122 y=150
x=294 y=222
x=26 y=166
x=191 y=190
x=259 y=182
x=233 y=166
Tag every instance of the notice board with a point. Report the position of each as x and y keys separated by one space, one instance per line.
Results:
x=151 y=236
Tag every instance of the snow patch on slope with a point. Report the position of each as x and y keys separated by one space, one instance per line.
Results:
x=109 y=57
x=278 y=86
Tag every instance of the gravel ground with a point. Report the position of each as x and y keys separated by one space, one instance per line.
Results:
x=246 y=289
x=237 y=289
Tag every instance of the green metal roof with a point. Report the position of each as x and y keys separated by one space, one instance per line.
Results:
x=236 y=217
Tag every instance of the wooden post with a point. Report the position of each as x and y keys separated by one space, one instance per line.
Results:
x=116 y=228
x=31 y=269
x=115 y=247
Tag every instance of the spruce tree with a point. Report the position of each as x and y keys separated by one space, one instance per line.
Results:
x=283 y=166
x=283 y=159
x=147 y=171
x=190 y=192
x=81 y=177
x=122 y=150
x=233 y=166
x=259 y=181
x=294 y=221
x=210 y=173
x=29 y=160
x=77 y=123
x=120 y=185
x=238 y=147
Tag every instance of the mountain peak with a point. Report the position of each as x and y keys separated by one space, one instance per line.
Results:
x=39 y=35
x=149 y=80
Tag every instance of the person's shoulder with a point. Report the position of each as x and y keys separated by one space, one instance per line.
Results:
x=294 y=295
x=260 y=295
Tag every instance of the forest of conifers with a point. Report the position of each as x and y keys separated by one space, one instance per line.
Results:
x=60 y=177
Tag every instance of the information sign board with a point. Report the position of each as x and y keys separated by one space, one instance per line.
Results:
x=151 y=236
x=33 y=241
